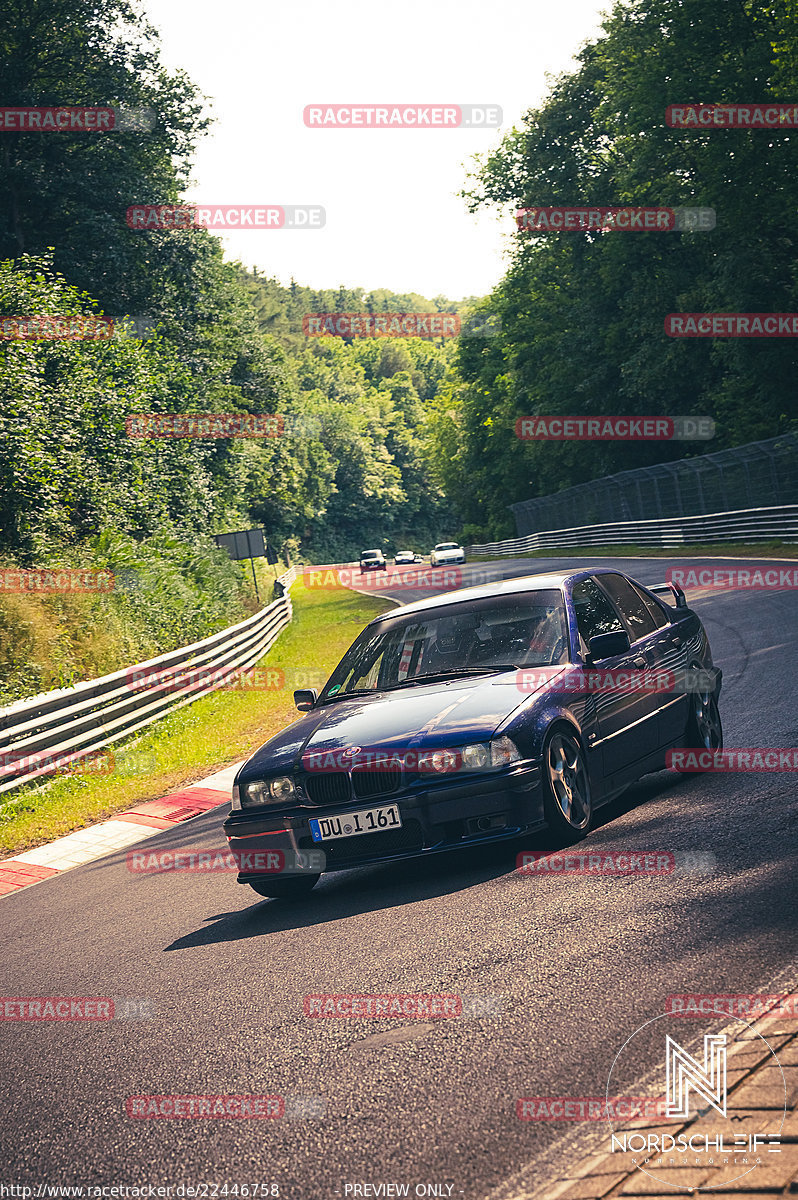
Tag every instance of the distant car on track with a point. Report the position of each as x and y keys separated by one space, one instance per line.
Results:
x=475 y=716
x=404 y=557
x=373 y=560
x=445 y=553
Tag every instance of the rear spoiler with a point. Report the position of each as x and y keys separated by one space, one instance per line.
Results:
x=662 y=589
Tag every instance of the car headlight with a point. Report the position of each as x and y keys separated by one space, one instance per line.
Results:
x=503 y=752
x=483 y=756
x=476 y=758
x=279 y=790
x=439 y=762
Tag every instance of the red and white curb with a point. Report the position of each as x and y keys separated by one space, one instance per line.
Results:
x=126 y=828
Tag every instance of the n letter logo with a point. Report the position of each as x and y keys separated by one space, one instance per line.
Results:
x=684 y=1072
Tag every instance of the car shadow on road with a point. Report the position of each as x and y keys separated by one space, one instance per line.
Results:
x=365 y=889
x=343 y=894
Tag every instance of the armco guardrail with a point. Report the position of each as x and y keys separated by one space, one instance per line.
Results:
x=744 y=525
x=69 y=723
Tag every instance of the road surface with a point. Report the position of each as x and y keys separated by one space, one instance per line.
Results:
x=570 y=967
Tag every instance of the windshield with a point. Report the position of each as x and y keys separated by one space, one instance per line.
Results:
x=371 y=554
x=491 y=634
x=447 y=546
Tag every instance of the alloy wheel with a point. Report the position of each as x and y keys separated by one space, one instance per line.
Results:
x=569 y=781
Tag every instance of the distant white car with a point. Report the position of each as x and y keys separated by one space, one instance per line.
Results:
x=447 y=552
x=372 y=560
x=403 y=557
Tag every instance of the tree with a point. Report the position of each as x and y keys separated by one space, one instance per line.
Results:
x=582 y=313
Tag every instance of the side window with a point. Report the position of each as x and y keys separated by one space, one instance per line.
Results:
x=630 y=603
x=658 y=613
x=594 y=613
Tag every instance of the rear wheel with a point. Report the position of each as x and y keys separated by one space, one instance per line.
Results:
x=280 y=889
x=567 y=803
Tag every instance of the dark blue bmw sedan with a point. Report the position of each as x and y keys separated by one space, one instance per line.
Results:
x=476 y=716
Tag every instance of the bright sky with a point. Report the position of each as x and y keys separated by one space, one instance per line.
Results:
x=394 y=218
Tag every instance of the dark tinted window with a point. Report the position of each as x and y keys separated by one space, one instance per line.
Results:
x=594 y=613
x=527 y=629
x=633 y=610
x=658 y=613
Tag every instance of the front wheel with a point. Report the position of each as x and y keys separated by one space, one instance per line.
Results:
x=279 y=889
x=704 y=730
x=567 y=802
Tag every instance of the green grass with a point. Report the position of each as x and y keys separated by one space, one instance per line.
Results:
x=202 y=737
x=773 y=549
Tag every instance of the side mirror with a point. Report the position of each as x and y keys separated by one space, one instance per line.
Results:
x=305 y=698
x=607 y=645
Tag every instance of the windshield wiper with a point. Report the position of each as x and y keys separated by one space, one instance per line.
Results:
x=453 y=673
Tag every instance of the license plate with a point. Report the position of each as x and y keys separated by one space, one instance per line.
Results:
x=366 y=820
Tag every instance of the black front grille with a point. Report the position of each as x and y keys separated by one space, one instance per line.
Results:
x=369 y=845
x=367 y=782
x=331 y=787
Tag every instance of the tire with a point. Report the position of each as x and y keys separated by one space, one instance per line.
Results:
x=286 y=889
x=704 y=730
x=567 y=801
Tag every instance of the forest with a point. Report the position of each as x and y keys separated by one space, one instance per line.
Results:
x=386 y=441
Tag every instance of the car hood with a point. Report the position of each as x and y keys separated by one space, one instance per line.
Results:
x=432 y=715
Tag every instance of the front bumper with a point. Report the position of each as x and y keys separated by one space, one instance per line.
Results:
x=447 y=816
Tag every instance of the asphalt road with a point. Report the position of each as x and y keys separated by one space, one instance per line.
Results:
x=573 y=966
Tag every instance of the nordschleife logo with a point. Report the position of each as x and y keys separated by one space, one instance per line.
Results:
x=686 y=1080
x=683 y=1072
